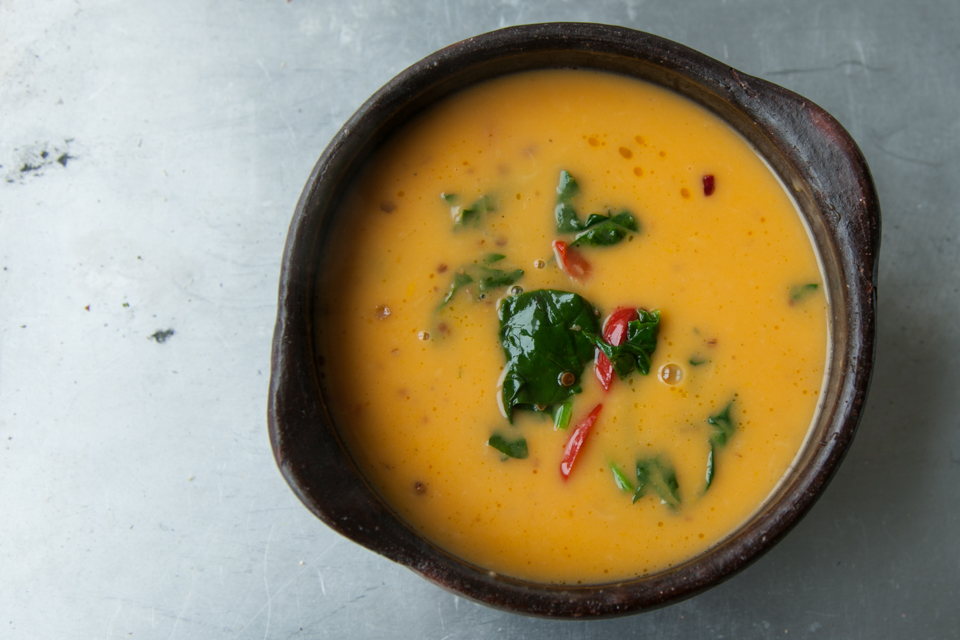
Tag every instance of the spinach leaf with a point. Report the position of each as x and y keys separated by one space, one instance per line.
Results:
x=460 y=280
x=711 y=457
x=462 y=216
x=599 y=230
x=696 y=360
x=619 y=477
x=659 y=475
x=723 y=426
x=472 y=214
x=490 y=279
x=543 y=334
x=562 y=415
x=604 y=231
x=484 y=279
x=516 y=449
x=800 y=292
x=635 y=352
x=490 y=258
x=723 y=430
x=568 y=187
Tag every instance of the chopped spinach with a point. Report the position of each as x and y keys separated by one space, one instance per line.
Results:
x=723 y=426
x=723 y=429
x=599 y=230
x=696 y=360
x=516 y=449
x=490 y=279
x=463 y=216
x=619 y=477
x=568 y=187
x=544 y=335
x=491 y=258
x=484 y=279
x=603 y=231
x=562 y=415
x=473 y=213
x=659 y=475
x=460 y=280
x=635 y=351
x=565 y=214
x=800 y=292
x=711 y=457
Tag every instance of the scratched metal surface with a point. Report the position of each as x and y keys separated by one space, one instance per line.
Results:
x=151 y=156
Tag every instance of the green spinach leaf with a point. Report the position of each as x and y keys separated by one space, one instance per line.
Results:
x=723 y=426
x=490 y=279
x=460 y=280
x=599 y=230
x=483 y=279
x=473 y=213
x=620 y=478
x=658 y=474
x=604 y=231
x=516 y=449
x=723 y=430
x=800 y=292
x=463 y=216
x=711 y=457
x=562 y=415
x=543 y=335
x=636 y=350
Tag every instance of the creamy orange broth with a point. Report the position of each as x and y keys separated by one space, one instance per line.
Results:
x=416 y=414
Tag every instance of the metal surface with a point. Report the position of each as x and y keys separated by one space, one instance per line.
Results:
x=151 y=156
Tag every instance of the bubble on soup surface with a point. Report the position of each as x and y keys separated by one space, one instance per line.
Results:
x=671 y=373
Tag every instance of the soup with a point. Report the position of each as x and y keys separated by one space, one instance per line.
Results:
x=573 y=328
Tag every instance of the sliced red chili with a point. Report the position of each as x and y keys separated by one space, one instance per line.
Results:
x=571 y=261
x=615 y=333
x=708 y=184
x=575 y=443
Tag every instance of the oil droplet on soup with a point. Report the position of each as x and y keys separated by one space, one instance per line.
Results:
x=678 y=458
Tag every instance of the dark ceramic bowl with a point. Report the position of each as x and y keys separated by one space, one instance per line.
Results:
x=814 y=157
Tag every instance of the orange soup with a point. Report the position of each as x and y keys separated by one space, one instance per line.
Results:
x=574 y=328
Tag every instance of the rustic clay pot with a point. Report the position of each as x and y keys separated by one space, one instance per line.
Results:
x=815 y=158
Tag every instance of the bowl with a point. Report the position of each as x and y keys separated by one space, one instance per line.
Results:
x=812 y=154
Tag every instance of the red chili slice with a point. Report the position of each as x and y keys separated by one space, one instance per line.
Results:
x=615 y=333
x=575 y=443
x=708 y=185
x=571 y=261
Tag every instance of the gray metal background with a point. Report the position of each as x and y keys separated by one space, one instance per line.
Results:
x=138 y=495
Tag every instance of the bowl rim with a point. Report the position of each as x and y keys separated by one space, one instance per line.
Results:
x=810 y=151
